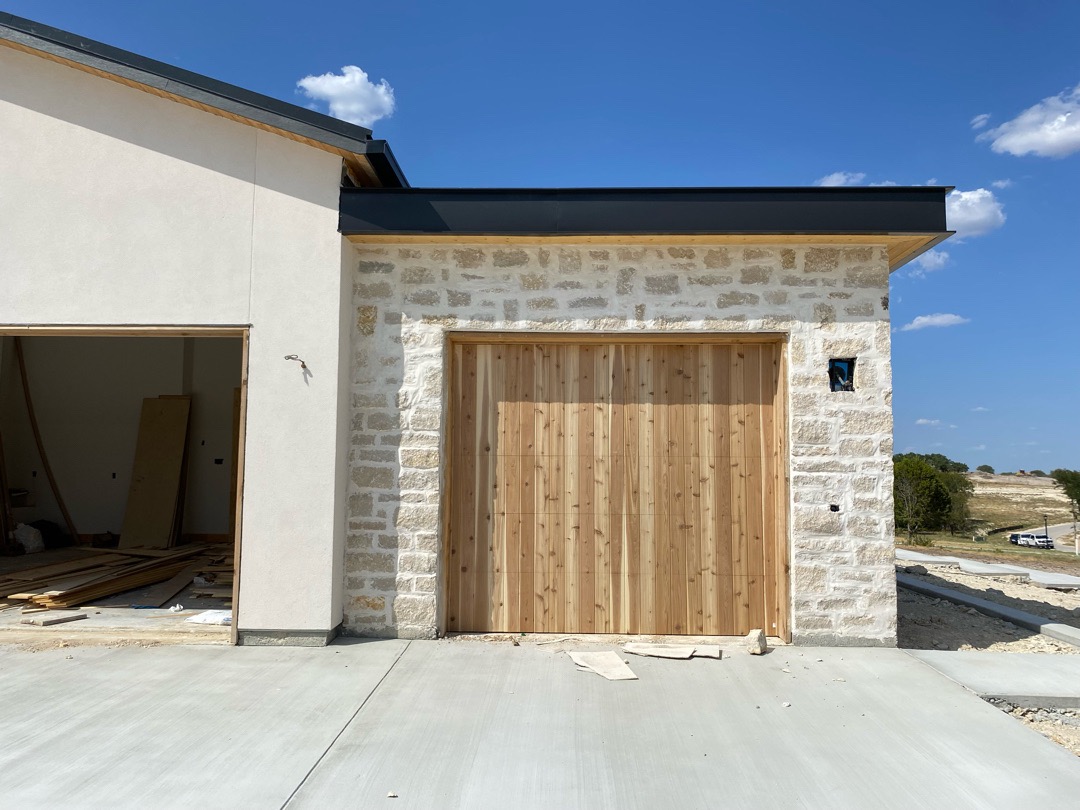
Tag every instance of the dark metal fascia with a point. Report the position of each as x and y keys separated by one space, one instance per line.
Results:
x=185 y=83
x=638 y=211
x=385 y=165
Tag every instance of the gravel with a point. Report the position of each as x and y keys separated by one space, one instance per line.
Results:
x=1060 y=725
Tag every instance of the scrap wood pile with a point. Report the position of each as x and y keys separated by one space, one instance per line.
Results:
x=104 y=573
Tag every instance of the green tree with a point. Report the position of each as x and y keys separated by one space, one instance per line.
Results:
x=937 y=461
x=921 y=500
x=959 y=489
x=1068 y=480
x=1038 y=473
x=986 y=468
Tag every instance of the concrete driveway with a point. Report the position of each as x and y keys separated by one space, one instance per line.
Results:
x=481 y=725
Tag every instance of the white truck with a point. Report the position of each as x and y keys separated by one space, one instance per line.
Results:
x=1032 y=540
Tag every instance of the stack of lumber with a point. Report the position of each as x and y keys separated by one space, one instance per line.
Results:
x=103 y=573
x=215 y=578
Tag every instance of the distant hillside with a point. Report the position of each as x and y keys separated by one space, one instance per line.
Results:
x=1006 y=500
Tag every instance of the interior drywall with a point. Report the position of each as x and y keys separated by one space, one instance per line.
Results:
x=212 y=372
x=87 y=395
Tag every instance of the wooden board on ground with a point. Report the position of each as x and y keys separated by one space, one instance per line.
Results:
x=212 y=591
x=165 y=591
x=150 y=518
x=45 y=622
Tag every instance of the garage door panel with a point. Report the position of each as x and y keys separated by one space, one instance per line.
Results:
x=616 y=488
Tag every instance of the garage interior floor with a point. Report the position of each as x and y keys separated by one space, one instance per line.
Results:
x=113 y=614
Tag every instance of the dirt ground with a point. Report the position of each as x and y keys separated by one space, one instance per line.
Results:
x=926 y=623
x=1014 y=592
x=1003 y=500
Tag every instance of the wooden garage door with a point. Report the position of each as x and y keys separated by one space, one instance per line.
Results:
x=617 y=488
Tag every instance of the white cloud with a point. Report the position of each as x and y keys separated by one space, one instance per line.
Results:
x=953 y=427
x=351 y=95
x=979 y=447
x=979 y=409
x=884 y=183
x=841 y=179
x=980 y=120
x=930 y=422
x=929 y=262
x=1050 y=128
x=973 y=213
x=931 y=182
x=1006 y=183
x=937 y=319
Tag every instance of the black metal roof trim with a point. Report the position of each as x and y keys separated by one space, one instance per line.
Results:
x=385 y=165
x=186 y=84
x=630 y=211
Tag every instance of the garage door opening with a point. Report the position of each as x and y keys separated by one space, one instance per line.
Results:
x=131 y=508
x=618 y=486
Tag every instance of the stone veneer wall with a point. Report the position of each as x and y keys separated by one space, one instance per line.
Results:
x=831 y=301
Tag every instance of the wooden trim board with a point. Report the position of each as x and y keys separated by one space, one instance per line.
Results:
x=238 y=478
x=616 y=338
x=115 y=330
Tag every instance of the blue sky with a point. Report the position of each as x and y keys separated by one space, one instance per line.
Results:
x=715 y=94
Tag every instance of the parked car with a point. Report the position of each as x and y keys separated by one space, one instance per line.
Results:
x=1032 y=540
x=1042 y=541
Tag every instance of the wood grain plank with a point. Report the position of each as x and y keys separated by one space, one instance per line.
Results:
x=632 y=487
x=154 y=495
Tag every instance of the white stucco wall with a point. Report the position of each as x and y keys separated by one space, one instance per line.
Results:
x=118 y=207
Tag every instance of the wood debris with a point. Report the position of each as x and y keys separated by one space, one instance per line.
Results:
x=679 y=651
x=46 y=621
x=107 y=572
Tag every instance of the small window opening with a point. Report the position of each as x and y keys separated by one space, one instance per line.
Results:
x=842 y=374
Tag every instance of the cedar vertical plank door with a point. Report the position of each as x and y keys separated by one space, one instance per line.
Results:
x=618 y=488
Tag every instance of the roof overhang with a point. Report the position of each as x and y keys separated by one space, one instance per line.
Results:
x=370 y=162
x=907 y=220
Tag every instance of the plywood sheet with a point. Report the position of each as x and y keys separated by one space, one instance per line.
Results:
x=157 y=472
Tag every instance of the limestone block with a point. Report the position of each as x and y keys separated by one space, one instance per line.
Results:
x=369 y=476
x=418 y=518
x=756 y=643
x=370 y=562
x=810 y=578
x=414 y=610
x=662 y=285
x=817 y=521
x=418 y=562
x=510 y=258
x=718 y=258
x=755 y=274
x=468 y=258
x=821 y=260
x=863 y=423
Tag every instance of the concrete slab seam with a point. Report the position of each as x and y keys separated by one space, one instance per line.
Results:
x=1056 y=630
x=342 y=730
x=945 y=675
